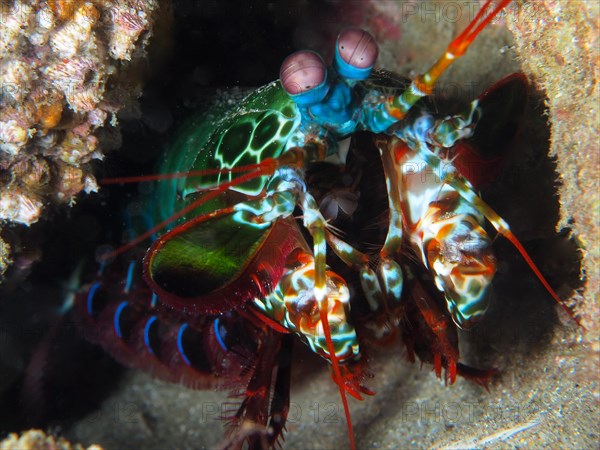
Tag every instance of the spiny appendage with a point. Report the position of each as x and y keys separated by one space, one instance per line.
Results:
x=314 y=303
x=446 y=233
x=437 y=330
x=431 y=335
x=262 y=412
x=465 y=190
x=390 y=273
x=383 y=285
x=459 y=253
x=370 y=282
x=293 y=305
x=424 y=84
x=316 y=225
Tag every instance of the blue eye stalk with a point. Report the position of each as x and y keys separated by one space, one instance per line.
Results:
x=328 y=97
x=348 y=71
x=356 y=52
x=314 y=95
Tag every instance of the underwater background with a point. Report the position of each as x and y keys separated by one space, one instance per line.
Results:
x=189 y=54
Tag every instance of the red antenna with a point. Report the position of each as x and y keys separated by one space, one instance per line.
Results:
x=265 y=168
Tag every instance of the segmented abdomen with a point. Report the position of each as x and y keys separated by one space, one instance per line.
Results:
x=121 y=314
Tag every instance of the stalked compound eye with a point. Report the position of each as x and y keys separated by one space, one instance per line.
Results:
x=355 y=54
x=303 y=75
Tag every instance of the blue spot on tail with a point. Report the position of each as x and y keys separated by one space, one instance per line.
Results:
x=149 y=323
x=218 y=335
x=182 y=329
x=116 y=322
x=129 y=276
x=90 y=297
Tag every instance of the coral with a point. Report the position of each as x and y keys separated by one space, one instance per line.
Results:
x=64 y=73
x=38 y=440
x=4 y=256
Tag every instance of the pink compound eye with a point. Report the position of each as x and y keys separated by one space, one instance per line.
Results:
x=357 y=48
x=301 y=72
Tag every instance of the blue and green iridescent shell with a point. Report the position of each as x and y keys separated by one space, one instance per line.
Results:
x=262 y=125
